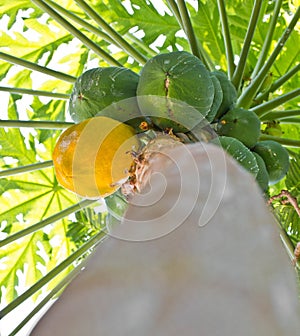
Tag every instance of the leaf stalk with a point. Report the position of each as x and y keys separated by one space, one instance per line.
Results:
x=49 y=220
x=268 y=40
x=115 y=36
x=283 y=141
x=35 y=124
x=246 y=98
x=227 y=38
x=52 y=274
x=271 y=104
x=239 y=71
x=53 y=95
x=36 y=67
x=26 y=169
x=77 y=33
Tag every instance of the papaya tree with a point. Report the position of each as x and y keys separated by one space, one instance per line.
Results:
x=233 y=63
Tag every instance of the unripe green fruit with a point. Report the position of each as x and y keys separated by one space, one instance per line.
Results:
x=238 y=151
x=106 y=91
x=276 y=158
x=229 y=94
x=262 y=176
x=241 y=124
x=218 y=98
x=175 y=90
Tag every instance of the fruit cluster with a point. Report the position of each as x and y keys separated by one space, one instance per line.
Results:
x=174 y=91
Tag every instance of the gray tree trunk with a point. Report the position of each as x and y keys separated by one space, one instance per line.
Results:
x=197 y=254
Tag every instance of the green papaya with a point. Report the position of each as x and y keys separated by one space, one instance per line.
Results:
x=175 y=90
x=241 y=124
x=238 y=151
x=229 y=93
x=106 y=91
x=262 y=176
x=276 y=158
x=218 y=98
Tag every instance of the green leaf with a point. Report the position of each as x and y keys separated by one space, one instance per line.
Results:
x=11 y=8
x=16 y=256
x=144 y=16
x=293 y=176
x=207 y=27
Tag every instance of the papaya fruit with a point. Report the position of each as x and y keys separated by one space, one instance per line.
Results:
x=93 y=157
x=262 y=176
x=239 y=152
x=229 y=93
x=218 y=98
x=106 y=91
x=276 y=158
x=175 y=90
x=241 y=124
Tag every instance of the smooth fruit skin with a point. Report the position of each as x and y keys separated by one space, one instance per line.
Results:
x=218 y=98
x=175 y=90
x=276 y=158
x=241 y=124
x=102 y=91
x=239 y=152
x=262 y=176
x=229 y=93
x=92 y=158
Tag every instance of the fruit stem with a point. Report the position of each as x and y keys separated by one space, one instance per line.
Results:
x=227 y=38
x=281 y=140
x=36 y=67
x=116 y=37
x=271 y=104
x=246 y=98
x=280 y=81
x=77 y=33
x=239 y=71
x=268 y=39
x=52 y=274
x=53 y=95
x=279 y=115
x=35 y=124
x=26 y=169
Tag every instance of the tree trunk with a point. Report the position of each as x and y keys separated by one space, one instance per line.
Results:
x=198 y=253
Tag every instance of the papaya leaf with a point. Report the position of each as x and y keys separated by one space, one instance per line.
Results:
x=11 y=8
x=86 y=225
x=291 y=221
x=144 y=16
x=53 y=110
x=14 y=258
x=25 y=251
x=206 y=24
x=292 y=180
x=286 y=213
x=291 y=131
